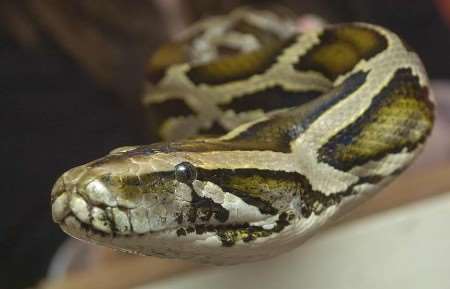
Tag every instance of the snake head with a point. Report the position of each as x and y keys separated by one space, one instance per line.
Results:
x=152 y=200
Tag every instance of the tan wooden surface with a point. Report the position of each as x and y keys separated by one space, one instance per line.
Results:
x=120 y=273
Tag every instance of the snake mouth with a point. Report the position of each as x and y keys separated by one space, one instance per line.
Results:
x=71 y=209
x=88 y=222
x=82 y=231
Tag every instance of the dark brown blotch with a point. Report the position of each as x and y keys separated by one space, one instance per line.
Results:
x=269 y=99
x=400 y=116
x=340 y=48
x=238 y=67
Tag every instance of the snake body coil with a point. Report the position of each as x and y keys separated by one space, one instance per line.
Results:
x=313 y=124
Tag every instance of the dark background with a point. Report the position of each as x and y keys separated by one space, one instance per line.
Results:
x=58 y=112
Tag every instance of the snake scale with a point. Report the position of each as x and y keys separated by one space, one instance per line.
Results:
x=268 y=135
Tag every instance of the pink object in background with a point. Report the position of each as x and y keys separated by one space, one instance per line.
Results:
x=309 y=22
x=444 y=9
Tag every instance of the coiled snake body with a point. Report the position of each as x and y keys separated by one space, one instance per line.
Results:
x=313 y=124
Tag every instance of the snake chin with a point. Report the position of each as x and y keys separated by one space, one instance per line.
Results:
x=223 y=244
x=205 y=248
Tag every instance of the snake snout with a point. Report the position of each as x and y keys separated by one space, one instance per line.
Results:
x=68 y=193
x=85 y=199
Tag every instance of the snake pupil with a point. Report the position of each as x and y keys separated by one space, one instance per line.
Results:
x=185 y=172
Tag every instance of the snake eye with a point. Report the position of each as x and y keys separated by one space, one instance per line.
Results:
x=185 y=172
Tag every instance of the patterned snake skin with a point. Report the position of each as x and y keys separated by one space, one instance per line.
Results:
x=268 y=135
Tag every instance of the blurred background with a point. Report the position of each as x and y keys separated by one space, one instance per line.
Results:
x=71 y=74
